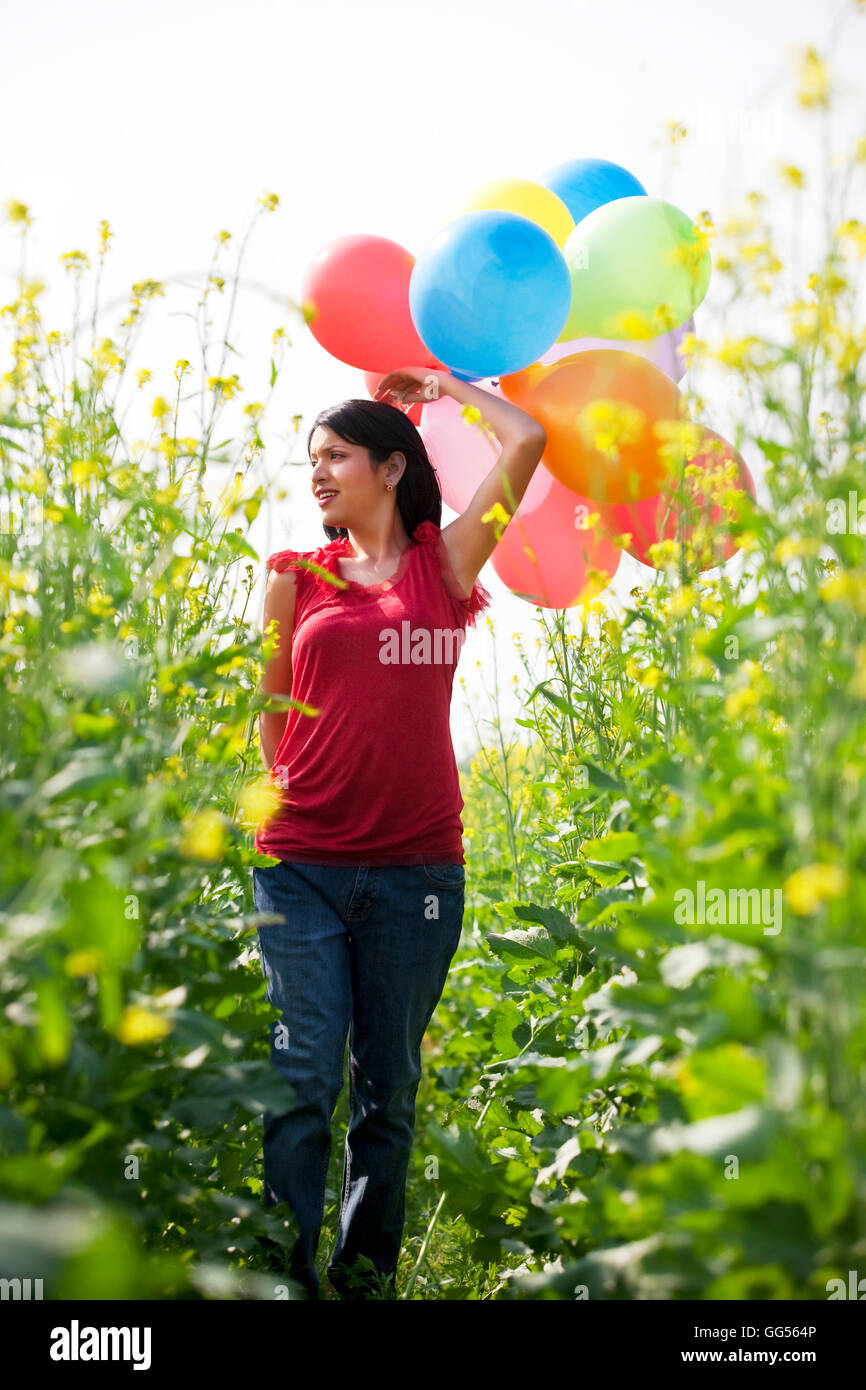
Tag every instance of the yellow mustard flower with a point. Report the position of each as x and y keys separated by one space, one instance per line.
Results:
x=665 y=554
x=807 y=888
x=680 y=602
x=674 y=130
x=107 y=355
x=148 y=289
x=139 y=1025
x=99 y=603
x=741 y=700
x=846 y=348
x=18 y=213
x=82 y=470
x=204 y=835
x=498 y=516
x=86 y=962
x=792 y=175
x=606 y=425
x=791 y=546
x=680 y=439
x=741 y=353
x=226 y=386
x=846 y=586
x=853 y=232
x=631 y=323
x=813 y=80
x=699 y=665
x=75 y=260
x=258 y=801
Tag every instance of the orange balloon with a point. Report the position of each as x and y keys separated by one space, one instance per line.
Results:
x=644 y=520
x=604 y=414
x=546 y=557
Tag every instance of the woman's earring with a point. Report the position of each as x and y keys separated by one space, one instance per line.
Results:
x=389 y=487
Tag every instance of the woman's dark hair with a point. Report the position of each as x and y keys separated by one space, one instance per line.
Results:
x=382 y=429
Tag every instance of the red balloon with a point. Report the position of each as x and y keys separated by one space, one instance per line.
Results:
x=413 y=409
x=563 y=550
x=644 y=519
x=355 y=297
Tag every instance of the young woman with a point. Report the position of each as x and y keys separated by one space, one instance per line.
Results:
x=369 y=883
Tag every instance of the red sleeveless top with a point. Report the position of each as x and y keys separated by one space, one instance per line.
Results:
x=372 y=778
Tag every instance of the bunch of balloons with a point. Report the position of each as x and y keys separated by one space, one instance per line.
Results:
x=570 y=297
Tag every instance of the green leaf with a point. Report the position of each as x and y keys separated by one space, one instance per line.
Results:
x=560 y=703
x=616 y=848
x=525 y=945
x=601 y=779
x=744 y=1133
x=239 y=545
x=505 y=1017
x=557 y=923
x=774 y=452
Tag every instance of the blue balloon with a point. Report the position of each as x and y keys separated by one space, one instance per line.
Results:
x=490 y=293
x=585 y=184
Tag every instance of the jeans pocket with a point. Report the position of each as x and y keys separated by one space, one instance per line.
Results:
x=445 y=875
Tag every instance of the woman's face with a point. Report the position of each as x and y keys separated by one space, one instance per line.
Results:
x=343 y=470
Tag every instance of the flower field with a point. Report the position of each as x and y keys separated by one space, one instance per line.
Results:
x=647 y=1076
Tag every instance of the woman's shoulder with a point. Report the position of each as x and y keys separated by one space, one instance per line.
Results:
x=468 y=606
x=282 y=560
x=317 y=565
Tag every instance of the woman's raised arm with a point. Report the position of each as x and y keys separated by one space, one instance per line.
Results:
x=470 y=540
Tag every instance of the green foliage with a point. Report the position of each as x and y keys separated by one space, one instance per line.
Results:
x=665 y=1103
x=621 y=1098
x=134 y=1055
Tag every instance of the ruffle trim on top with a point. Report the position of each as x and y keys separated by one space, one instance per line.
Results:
x=326 y=557
x=479 y=599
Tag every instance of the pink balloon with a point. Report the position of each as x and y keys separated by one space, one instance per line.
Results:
x=463 y=455
x=663 y=352
x=555 y=575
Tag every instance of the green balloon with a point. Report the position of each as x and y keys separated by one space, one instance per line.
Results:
x=638 y=269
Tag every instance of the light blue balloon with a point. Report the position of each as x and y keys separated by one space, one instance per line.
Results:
x=490 y=293
x=584 y=184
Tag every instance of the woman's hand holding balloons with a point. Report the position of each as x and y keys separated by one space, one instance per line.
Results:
x=409 y=384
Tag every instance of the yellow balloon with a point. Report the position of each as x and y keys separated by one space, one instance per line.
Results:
x=524 y=197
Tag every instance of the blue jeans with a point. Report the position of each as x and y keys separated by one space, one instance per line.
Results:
x=361 y=952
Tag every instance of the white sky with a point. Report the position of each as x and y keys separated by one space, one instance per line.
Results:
x=171 y=119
